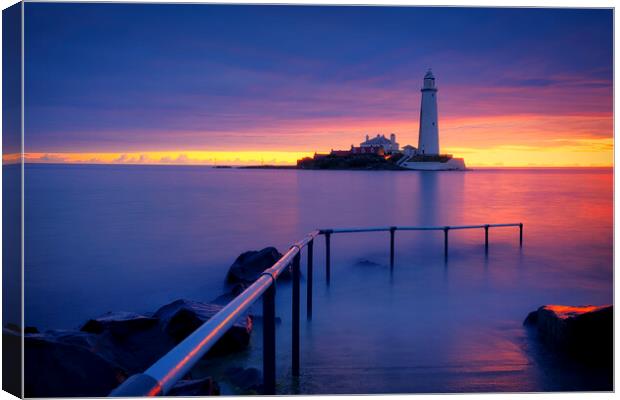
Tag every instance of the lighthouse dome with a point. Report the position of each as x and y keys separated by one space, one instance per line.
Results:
x=429 y=81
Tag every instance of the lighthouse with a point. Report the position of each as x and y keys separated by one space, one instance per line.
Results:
x=428 y=139
x=427 y=157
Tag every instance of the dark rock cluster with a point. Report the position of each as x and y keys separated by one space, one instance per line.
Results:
x=582 y=332
x=107 y=350
x=250 y=265
x=92 y=361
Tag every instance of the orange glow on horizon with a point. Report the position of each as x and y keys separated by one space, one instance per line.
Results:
x=594 y=153
x=522 y=140
x=172 y=158
x=11 y=158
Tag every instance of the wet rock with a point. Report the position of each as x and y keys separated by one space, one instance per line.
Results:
x=67 y=364
x=531 y=319
x=195 y=387
x=367 y=263
x=108 y=349
x=249 y=265
x=180 y=318
x=132 y=341
x=15 y=328
x=247 y=380
x=31 y=329
x=119 y=323
x=585 y=332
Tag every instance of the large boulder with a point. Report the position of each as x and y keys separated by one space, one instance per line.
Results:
x=133 y=341
x=182 y=317
x=585 y=332
x=119 y=323
x=67 y=364
x=108 y=349
x=248 y=266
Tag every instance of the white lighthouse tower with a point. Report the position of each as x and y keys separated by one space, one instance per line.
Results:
x=428 y=140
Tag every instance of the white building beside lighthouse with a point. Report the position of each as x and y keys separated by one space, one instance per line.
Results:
x=428 y=139
x=389 y=145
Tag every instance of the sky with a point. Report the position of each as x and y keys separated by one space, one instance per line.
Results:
x=223 y=84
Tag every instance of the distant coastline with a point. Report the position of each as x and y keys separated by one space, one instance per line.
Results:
x=291 y=166
x=267 y=166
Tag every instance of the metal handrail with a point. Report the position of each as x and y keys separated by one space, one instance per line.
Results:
x=414 y=228
x=164 y=373
x=161 y=376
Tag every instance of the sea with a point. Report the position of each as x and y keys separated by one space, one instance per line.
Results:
x=102 y=238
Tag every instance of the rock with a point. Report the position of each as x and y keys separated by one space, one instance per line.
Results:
x=367 y=263
x=195 y=387
x=93 y=361
x=31 y=329
x=15 y=328
x=67 y=364
x=182 y=317
x=531 y=319
x=119 y=323
x=248 y=380
x=132 y=341
x=585 y=332
x=249 y=265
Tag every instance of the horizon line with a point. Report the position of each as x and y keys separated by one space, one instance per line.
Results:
x=284 y=166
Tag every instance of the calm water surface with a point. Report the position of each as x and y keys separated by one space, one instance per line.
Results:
x=103 y=238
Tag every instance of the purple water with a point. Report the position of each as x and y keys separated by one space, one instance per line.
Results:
x=103 y=238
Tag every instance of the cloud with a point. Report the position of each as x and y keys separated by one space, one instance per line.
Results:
x=124 y=158
x=182 y=158
x=51 y=158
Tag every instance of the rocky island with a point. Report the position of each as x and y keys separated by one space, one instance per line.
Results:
x=381 y=152
x=352 y=161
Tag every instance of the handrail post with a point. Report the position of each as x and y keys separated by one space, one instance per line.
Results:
x=486 y=238
x=392 y=231
x=521 y=234
x=269 y=340
x=327 y=256
x=309 y=284
x=295 y=329
x=445 y=241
